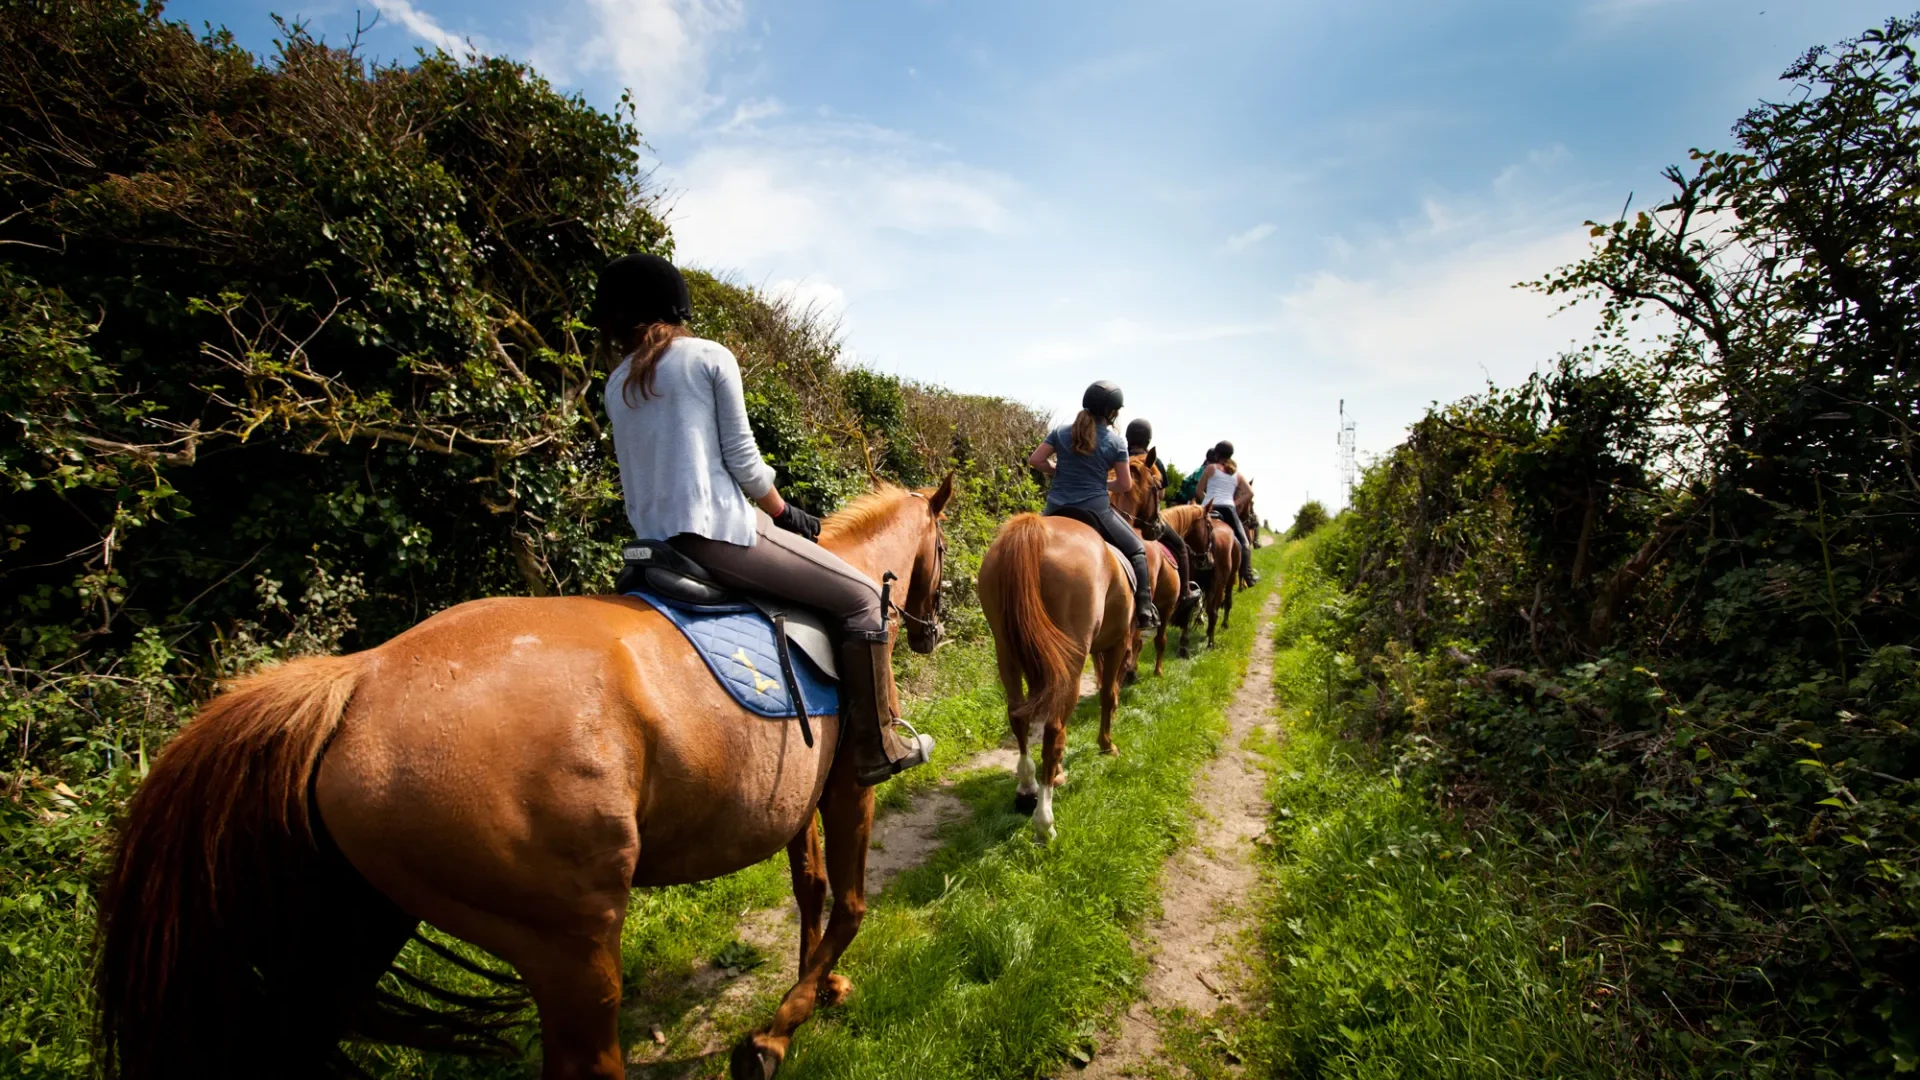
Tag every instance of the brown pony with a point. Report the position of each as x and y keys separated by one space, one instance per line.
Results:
x=506 y=771
x=1166 y=593
x=1217 y=569
x=1054 y=593
x=1141 y=505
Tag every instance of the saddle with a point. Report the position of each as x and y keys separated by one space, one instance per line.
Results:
x=1092 y=521
x=774 y=657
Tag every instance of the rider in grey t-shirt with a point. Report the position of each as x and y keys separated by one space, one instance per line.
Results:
x=1080 y=480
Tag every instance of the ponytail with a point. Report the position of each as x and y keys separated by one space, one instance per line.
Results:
x=642 y=346
x=1086 y=430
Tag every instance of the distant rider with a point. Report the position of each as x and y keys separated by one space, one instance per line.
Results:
x=692 y=475
x=1219 y=486
x=1077 y=457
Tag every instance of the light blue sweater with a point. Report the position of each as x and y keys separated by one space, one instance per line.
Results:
x=688 y=462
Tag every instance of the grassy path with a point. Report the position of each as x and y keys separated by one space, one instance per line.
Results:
x=1196 y=943
x=985 y=956
x=1392 y=941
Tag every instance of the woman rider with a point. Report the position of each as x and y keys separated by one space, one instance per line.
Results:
x=1085 y=451
x=1219 y=484
x=693 y=477
x=1139 y=441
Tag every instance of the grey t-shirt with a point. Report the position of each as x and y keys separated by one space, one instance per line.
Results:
x=1081 y=479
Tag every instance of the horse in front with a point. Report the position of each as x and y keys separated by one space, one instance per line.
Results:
x=506 y=771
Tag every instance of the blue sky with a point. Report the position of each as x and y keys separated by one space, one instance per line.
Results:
x=1243 y=213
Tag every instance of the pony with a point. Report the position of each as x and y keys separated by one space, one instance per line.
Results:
x=1216 y=559
x=506 y=771
x=1141 y=505
x=1053 y=593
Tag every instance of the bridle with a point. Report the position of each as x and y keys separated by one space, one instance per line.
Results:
x=1152 y=521
x=933 y=622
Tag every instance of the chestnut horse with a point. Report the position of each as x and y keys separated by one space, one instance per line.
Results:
x=1141 y=505
x=1054 y=593
x=506 y=771
x=1216 y=556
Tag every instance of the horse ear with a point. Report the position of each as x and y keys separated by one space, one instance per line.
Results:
x=1153 y=456
x=940 y=497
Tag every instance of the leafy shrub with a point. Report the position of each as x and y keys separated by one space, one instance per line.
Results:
x=290 y=358
x=1308 y=519
x=1660 y=602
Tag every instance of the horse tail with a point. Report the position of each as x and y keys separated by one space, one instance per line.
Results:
x=1045 y=652
x=222 y=904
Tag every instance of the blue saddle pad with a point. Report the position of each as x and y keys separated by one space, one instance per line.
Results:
x=737 y=644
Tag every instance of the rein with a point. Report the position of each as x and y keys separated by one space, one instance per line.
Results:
x=940 y=554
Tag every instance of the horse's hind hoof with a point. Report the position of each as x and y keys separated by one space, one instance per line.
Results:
x=1026 y=804
x=752 y=1061
x=835 y=989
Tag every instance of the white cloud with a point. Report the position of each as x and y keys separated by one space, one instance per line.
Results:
x=751 y=112
x=821 y=298
x=843 y=201
x=1439 y=324
x=658 y=49
x=1245 y=240
x=1120 y=336
x=423 y=26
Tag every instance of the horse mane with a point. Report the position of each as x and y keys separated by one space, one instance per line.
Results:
x=1183 y=516
x=865 y=515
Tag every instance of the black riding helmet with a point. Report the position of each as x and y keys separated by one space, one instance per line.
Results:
x=1139 y=434
x=639 y=289
x=1102 y=399
x=1222 y=450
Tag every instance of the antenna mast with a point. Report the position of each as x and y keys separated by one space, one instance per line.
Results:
x=1346 y=440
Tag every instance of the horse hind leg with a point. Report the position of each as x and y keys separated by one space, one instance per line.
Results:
x=1107 y=665
x=1051 y=774
x=847 y=813
x=1014 y=683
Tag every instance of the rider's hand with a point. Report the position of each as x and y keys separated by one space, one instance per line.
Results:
x=795 y=520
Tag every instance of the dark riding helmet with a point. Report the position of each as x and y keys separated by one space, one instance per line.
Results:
x=639 y=289
x=1139 y=434
x=1222 y=450
x=1102 y=398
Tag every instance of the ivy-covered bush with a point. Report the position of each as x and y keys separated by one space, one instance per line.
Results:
x=290 y=358
x=1664 y=600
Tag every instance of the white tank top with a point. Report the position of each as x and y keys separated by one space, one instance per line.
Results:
x=1221 y=488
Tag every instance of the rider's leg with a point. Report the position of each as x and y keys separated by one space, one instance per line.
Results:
x=1122 y=536
x=1189 y=588
x=1232 y=518
x=782 y=564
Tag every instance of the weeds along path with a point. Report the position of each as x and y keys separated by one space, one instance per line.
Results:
x=1207 y=887
x=694 y=1042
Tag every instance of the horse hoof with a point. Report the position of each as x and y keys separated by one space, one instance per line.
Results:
x=752 y=1061
x=1026 y=804
x=1130 y=678
x=1110 y=750
x=835 y=990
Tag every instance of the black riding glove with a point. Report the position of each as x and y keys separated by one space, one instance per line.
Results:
x=795 y=520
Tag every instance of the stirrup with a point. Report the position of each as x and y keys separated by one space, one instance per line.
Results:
x=919 y=752
x=1146 y=616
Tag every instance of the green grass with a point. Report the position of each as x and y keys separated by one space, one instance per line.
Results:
x=1000 y=958
x=1395 y=943
x=672 y=932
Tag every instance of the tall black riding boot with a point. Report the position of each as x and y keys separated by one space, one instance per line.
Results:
x=870 y=710
x=1145 y=615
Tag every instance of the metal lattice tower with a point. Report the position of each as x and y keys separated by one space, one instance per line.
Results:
x=1346 y=455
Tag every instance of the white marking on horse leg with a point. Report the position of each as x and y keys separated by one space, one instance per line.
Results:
x=1043 y=816
x=1023 y=775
